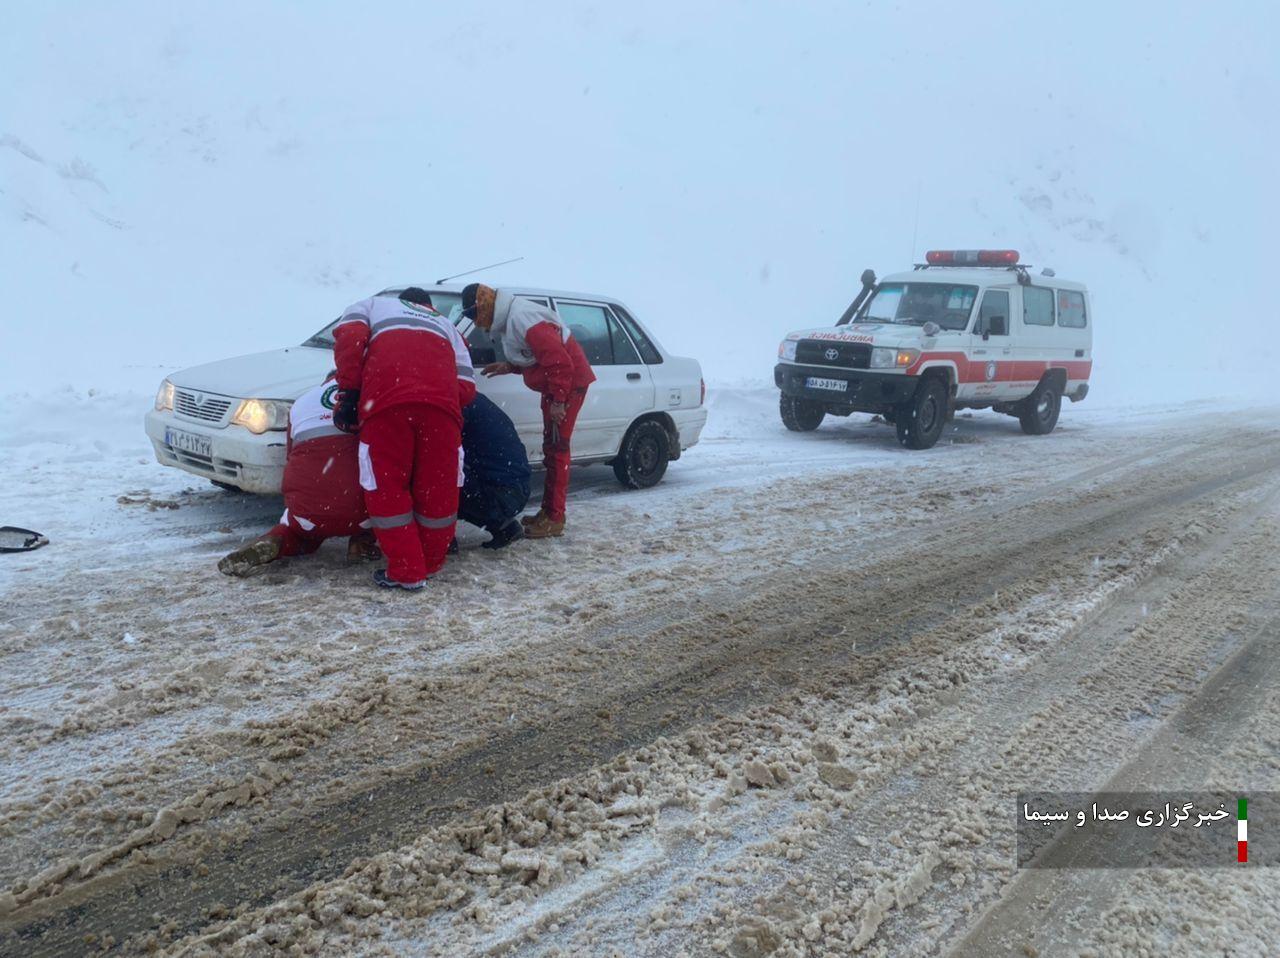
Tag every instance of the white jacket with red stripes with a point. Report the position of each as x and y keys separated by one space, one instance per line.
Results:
x=396 y=352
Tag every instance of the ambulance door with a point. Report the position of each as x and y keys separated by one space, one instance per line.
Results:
x=1073 y=328
x=1036 y=340
x=990 y=350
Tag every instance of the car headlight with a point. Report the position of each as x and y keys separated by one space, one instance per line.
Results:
x=787 y=350
x=884 y=357
x=164 y=396
x=261 y=415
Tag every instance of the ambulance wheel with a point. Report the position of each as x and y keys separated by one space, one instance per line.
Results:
x=920 y=419
x=642 y=460
x=1038 y=413
x=800 y=415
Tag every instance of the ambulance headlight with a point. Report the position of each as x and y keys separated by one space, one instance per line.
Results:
x=164 y=396
x=884 y=357
x=261 y=415
x=787 y=350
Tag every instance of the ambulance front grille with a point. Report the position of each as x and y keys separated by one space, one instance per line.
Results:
x=819 y=352
x=193 y=405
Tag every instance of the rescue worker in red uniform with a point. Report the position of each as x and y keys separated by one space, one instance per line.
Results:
x=404 y=375
x=538 y=345
x=322 y=495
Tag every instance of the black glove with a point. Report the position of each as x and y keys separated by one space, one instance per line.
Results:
x=346 y=410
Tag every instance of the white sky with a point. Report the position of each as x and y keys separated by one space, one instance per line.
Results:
x=727 y=169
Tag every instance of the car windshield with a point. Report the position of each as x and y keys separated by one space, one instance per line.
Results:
x=446 y=303
x=946 y=304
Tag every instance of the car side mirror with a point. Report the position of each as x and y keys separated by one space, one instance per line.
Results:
x=483 y=355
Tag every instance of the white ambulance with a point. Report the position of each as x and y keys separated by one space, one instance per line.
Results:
x=966 y=329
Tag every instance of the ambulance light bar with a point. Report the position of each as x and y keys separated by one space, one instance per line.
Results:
x=972 y=257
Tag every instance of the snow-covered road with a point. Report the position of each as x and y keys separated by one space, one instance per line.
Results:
x=777 y=705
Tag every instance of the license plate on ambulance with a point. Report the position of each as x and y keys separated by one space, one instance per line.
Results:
x=817 y=382
x=189 y=443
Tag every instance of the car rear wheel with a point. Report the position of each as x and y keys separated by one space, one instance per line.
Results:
x=642 y=460
x=800 y=415
x=1038 y=413
x=920 y=419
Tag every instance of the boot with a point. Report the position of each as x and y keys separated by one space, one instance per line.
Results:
x=504 y=535
x=526 y=521
x=362 y=546
x=543 y=527
x=257 y=553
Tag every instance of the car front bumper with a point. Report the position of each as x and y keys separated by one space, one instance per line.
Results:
x=237 y=457
x=867 y=390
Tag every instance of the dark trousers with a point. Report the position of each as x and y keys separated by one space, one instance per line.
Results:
x=489 y=506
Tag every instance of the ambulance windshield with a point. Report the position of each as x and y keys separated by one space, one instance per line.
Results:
x=946 y=304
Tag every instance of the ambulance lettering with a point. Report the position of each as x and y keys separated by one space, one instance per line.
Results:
x=841 y=338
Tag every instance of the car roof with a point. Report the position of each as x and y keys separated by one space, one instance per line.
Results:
x=980 y=276
x=514 y=290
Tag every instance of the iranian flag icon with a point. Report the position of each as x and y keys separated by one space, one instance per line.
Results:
x=1242 y=830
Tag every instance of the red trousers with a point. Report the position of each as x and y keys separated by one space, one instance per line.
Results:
x=410 y=470
x=555 y=452
x=299 y=536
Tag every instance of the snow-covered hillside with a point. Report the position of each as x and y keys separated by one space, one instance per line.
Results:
x=188 y=182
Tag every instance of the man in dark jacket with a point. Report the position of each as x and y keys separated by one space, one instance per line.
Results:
x=496 y=471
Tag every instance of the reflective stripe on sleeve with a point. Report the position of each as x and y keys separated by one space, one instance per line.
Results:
x=315 y=432
x=391 y=522
x=442 y=523
x=407 y=322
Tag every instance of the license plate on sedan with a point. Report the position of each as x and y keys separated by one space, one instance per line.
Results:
x=817 y=382
x=189 y=442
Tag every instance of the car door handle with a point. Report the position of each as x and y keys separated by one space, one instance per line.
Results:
x=634 y=377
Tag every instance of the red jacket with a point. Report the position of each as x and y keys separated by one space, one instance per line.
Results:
x=396 y=352
x=560 y=364
x=537 y=342
x=322 y=472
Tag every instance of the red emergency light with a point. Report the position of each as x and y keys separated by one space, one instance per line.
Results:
x=972 y=257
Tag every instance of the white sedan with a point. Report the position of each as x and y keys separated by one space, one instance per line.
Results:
x=226 y=420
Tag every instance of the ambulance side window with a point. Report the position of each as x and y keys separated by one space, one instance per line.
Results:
x=993 y=317
x=1037 y=306
x=1071 y=309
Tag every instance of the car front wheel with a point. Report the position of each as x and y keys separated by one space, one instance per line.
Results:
x=800 y=415
x=642 y=460
x=920 y=419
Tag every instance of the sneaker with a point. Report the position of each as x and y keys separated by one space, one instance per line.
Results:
x=257 y=553
x=381 y=578
x=543 y=527
x=503 y=536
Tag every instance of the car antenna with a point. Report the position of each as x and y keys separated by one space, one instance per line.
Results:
x=479 y=269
